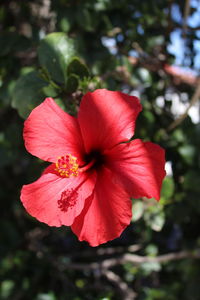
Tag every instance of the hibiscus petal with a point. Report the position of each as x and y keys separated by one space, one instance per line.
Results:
x=49 y=132
x=107 y=118
x=107 y=213
x=139 y=166
x=55 y=200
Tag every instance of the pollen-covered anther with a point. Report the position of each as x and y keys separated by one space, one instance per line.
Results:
x=67 y=166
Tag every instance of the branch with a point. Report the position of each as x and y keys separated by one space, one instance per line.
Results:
x=176 y=25
x=125 y=292
x=155 y=65
x=114 y=250
x=186 y=14
x=180 y=75
x=101 y=268
x=133 y=258
x=137 y=259
x=162 y=258
x=194 y=99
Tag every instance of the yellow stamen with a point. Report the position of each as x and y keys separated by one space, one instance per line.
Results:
x=67 y=166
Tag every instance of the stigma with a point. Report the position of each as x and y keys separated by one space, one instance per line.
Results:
x=67 y=166
x=68 y=200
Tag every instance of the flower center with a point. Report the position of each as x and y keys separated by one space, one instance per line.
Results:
x=95 y=159
x=67 y=166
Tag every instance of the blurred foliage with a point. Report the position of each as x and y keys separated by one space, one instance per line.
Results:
x=62 y=49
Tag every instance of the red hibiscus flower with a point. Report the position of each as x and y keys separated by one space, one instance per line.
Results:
x=93 y=171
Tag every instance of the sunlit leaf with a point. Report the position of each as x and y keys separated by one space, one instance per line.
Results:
x=55 y=53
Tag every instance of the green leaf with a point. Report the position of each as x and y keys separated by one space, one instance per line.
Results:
x=6 y=288
x=149 y=267
x=55 y=52
x=46 y=296
x=65 y=19
x=12 y=42
x=167 y=188
x=187 y=152
x=87 y=19
x=157 y=222
x=156 y=294
x=50 y=91
x=78 y=68
x=144 y=75
x=28 y=93
x=154 y=217
x=151 y=250
x=149 y=117
x=191 y=181
x=72 y=83
x=6 y=93
x=137 y=210
x=60 y=103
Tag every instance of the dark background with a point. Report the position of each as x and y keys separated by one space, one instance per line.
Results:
x=131 y=46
